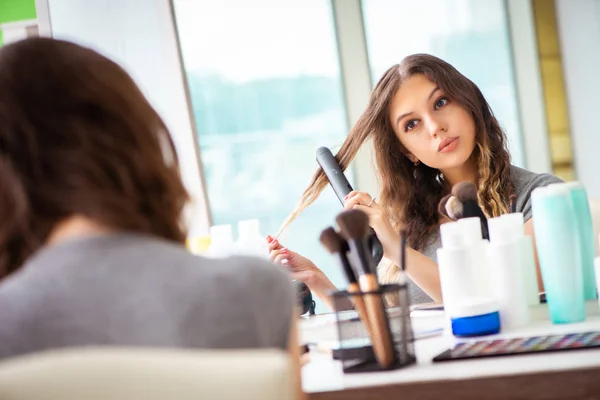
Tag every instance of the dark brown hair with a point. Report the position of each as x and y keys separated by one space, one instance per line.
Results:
x=78 y=137
x=411 y=193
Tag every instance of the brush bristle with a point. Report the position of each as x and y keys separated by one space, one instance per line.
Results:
x=454 y=208
x=465 y=191
x=354 y=224
x=330 y=240
x=442 y=205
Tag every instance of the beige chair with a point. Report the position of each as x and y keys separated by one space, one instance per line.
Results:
x=148 y=374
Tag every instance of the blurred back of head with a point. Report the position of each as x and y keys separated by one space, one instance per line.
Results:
x=78 y=137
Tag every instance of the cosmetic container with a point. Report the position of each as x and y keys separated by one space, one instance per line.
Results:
x=476 y=317
x=585 y=227
x=454 y=265
x=515 y=223
x=221 y=241
x=506 y=259
x=250 y=242
x=557 y=241
x=477 y=247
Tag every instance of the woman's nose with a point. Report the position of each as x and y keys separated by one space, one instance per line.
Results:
x=435 y=127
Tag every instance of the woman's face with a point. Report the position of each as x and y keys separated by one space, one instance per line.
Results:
x=434 y=129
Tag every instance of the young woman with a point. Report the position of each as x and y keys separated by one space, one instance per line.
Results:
x=431 y=128
x=91 y=235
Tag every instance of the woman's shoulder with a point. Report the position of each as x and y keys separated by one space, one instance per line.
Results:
x=524 y=181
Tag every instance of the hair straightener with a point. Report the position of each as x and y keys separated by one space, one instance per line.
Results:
x=340 y=185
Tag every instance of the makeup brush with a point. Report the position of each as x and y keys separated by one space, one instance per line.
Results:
x=403 y=251
x=466 y=193
x=454 y=208
x=442 y=206
x=338 y=247
x=354 y=227
x=513 y=203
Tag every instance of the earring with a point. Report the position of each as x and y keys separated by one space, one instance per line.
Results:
x=417 y=163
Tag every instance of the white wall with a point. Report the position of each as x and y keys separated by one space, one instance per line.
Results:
x=579 y=34
x=141 y=36
x=15 y=31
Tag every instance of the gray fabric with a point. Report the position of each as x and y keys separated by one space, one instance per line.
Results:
x=135 y=290
x=524 y=182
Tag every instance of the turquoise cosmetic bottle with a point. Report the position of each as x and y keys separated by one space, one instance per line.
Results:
x=559 y=255
x=586 y=237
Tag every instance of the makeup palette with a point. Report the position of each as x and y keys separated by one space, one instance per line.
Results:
x=526 y=345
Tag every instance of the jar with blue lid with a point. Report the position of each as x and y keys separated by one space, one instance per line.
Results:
x=475 y=317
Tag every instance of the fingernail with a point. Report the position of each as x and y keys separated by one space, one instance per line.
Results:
x=346 y=198
x=269 y=238
x=284 y=250
x=284 y=261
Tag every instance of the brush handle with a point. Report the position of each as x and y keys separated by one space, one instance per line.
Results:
x=359 y=306
x=346 y=267
x=376 y=314
x=472 y=209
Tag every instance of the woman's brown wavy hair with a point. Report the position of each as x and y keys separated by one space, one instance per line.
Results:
x=78 y=137
x=410 y=193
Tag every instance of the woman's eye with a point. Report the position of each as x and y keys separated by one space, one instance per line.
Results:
x=410 y=125
x=442 y=101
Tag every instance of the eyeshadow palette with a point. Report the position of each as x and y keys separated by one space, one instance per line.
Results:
x=524 y=345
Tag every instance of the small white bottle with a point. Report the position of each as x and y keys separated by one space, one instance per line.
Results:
x=250 y=242
x=221 y=241
x=471 y=229
x=505 y=255
x=454 y=265
x=529 y=268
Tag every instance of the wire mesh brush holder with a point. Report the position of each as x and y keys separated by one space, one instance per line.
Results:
x=381 y=338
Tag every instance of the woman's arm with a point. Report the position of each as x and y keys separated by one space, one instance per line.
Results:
x=303 y=270
x=424 y=273
x=419 y=268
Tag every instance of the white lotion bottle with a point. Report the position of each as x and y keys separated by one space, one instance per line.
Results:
x=529 y=268
x=250 y=242
x=471 y=230
x=454 y=265
x=221 y=241
x=505 y=254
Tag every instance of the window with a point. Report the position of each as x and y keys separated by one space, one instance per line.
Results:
x=472 y=35
x=266 y=92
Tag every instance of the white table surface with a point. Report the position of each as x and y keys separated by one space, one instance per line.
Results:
x=323 y=374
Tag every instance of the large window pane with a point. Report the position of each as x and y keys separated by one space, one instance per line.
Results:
x=266 y=92
x=472 y=35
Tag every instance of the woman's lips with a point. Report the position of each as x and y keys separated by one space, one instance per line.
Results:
x=448 y=145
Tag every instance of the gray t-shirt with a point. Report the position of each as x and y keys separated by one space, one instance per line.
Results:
x=524 y=182
x=134 y=290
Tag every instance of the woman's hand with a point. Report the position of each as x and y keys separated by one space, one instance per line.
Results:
x=378 y=220
x=301 y=269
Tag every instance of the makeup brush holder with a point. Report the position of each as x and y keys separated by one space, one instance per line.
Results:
x=356 y=349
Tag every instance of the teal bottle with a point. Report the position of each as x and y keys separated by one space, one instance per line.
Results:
x=557 y=242
x=586 y=237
